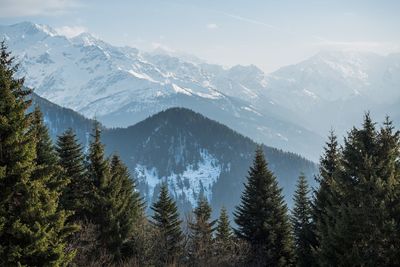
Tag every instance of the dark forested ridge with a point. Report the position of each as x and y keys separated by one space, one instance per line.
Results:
x=176 y=138
x=59 y=119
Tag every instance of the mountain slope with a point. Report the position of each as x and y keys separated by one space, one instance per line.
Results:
x=334 y=89
x=122 y=86
x=195 y=154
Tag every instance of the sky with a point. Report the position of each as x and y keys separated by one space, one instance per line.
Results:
x=267 y=33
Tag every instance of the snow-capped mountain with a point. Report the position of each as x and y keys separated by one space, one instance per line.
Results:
x=195 y=155
x=121 y=86
x=333 y=89
x=290 y=108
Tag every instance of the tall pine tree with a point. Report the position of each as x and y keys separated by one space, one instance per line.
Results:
x=166 y=221
x=262 y=217
x=362 y=224
x=324 y=195
x=301 y=222
x=224 y=243
x=123 y=209
x=389 y=168
x=76 y=195
x=223 y=230
x=201 y=236
x=32 y=227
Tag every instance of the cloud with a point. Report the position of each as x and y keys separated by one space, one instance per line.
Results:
x=21 y=8
x=212 y=26
x=71 y=31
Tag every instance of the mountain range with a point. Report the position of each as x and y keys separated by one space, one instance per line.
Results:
x=121 y=86
x=196 y=155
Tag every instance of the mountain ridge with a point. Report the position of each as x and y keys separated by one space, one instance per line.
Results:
x=196 y=155
x=121 y=86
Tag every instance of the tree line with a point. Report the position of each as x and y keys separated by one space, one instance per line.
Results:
x=61 y=206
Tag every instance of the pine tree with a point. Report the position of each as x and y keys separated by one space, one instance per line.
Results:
x=389 y=170
x=166 y=221
x=323 y=196
x=32 y=227
x=45 y=153
x=76 y=195
x=124 y=209
x=301 y=222
x=224 y=244
x=362 y=227
x=201 y=237
x=262 y=217
x=223 y=230
x=99 y=175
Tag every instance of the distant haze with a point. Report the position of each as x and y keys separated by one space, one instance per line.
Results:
x=269 y=34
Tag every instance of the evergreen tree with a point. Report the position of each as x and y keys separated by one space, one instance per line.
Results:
x=389 y=170
x=201 y=237
x=224 y=244
x=167 y=222
x=32 y=227
x=262 y=217
x=45 y=153
x=362 y=228
x=323 y=196
x=76 y=195
x=301 y=222
x=99 y=175
x=124 y=209
x=223 y=230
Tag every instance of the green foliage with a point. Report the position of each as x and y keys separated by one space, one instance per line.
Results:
x=201 y=235
x=361 y=228
x=329 y=166
x=225 y=246
x=116 y=206
x=76 y=195
x=223 y=230
x=166 y=221
x=32 y=227
x=301 y=222
x=123 y=209
x=262 y=217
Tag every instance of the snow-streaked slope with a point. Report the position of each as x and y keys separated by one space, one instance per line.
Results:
x=121 y=86
x=188 y=185
x=334 y=89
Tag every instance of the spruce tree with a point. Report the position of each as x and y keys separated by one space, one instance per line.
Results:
x=301 y=222
x=123 y=210
x=362 y=228
x=32 y=226
x=166 y=221
x=262 y=217
x=45 y=153
x=324 y=195
x=116 y=206
x=223 y=230
x=224 y=244
x=201 y=236
x=76 y=194
x=389 y=168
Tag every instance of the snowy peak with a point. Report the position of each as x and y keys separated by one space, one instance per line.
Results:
x=336 y=75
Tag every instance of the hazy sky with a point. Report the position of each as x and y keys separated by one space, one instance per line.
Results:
x=266 y=33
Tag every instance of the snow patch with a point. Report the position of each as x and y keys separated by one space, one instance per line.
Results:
x=189 y=184
x=185 y=91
